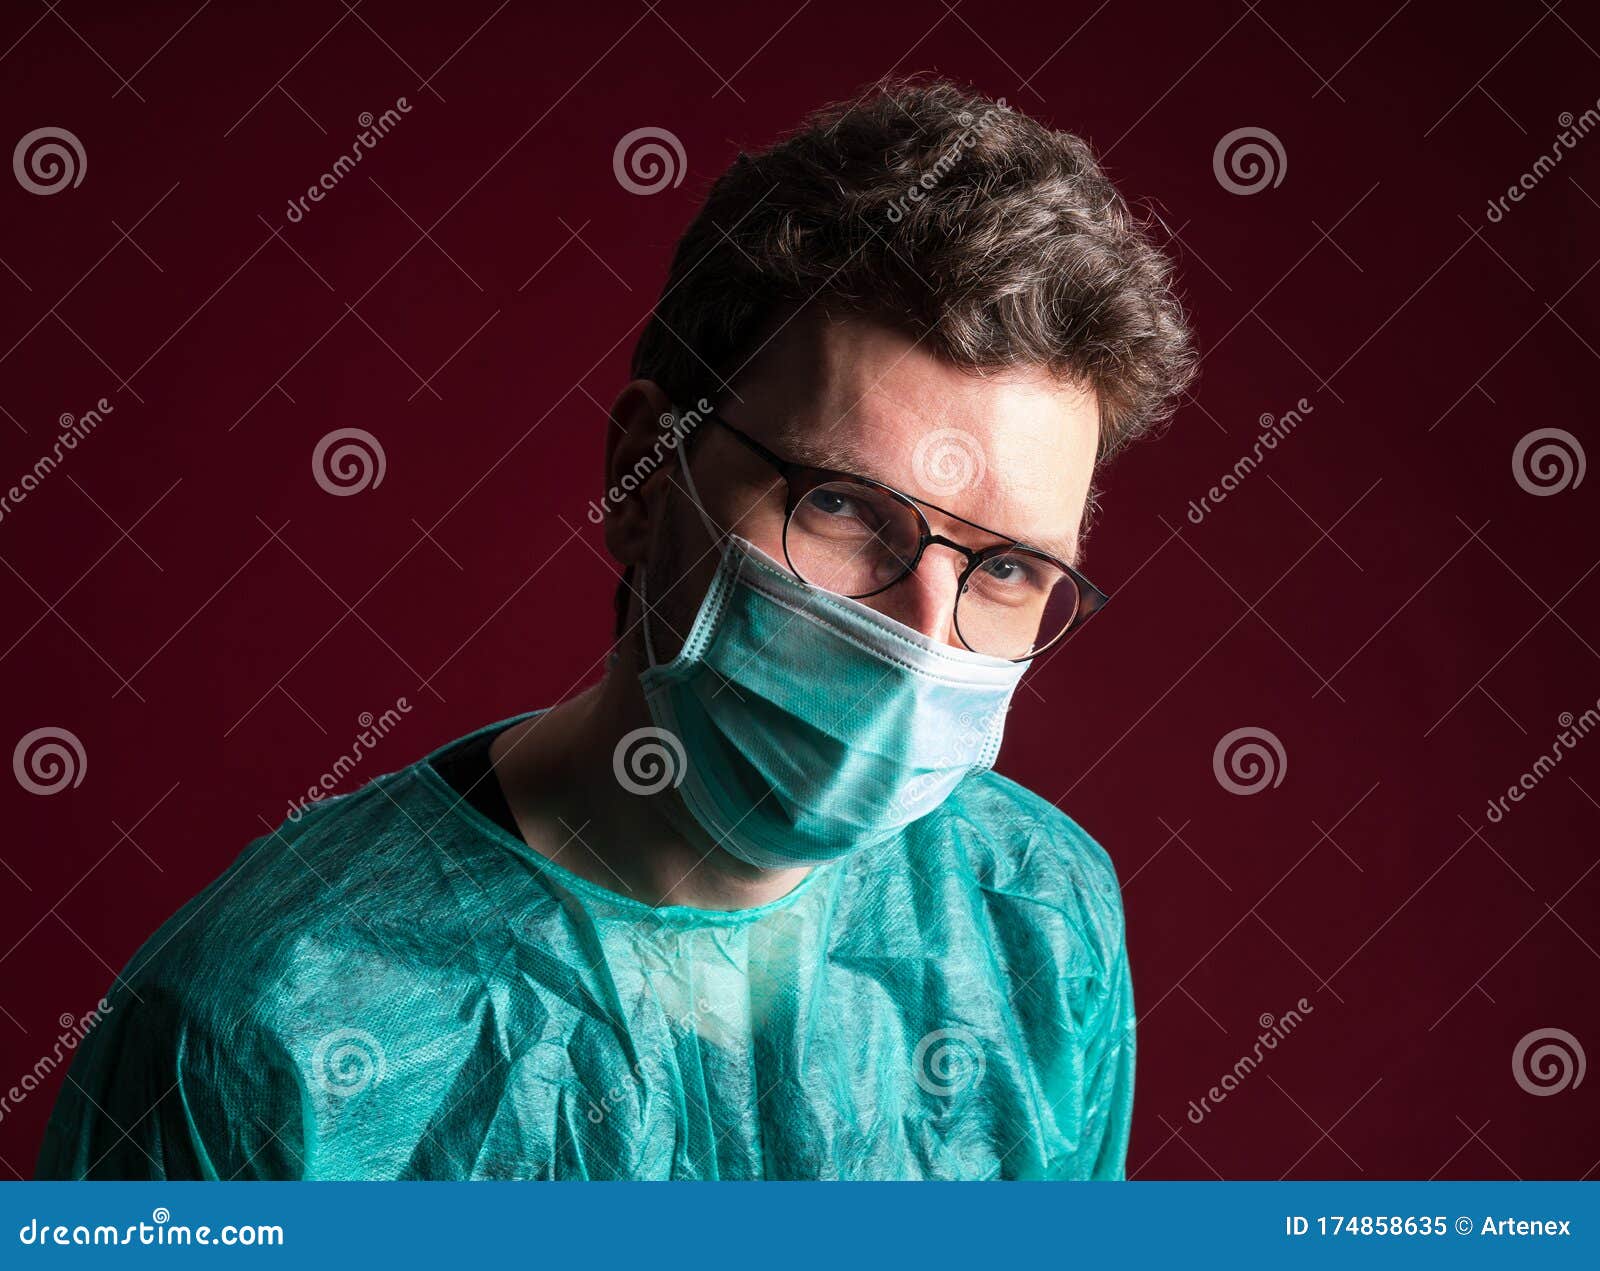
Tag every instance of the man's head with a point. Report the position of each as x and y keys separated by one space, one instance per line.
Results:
x=922 y=287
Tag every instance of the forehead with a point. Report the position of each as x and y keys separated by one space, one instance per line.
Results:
x=1013 y=451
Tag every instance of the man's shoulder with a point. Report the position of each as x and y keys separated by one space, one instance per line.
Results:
x=1019 y=844
x=1021 y=825
x=217 y=1027
x=339 y=879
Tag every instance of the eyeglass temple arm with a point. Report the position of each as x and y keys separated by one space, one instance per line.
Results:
x=1090 y=599
x=781 y=464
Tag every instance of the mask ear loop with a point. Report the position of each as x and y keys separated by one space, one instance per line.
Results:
x=705 y=519
x=644 y=621
x=688 y=480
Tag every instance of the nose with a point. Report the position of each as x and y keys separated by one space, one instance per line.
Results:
x=925 y=599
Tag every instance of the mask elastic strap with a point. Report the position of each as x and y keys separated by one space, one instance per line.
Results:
x=705 y=519
x=694 y=494
x=644 y=621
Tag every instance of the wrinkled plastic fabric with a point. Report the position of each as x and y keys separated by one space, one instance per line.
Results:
x=395 y=988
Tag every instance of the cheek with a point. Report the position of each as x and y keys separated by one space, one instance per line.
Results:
x=757 y=513
x=679 y=569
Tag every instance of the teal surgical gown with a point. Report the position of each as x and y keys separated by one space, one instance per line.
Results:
x=393 y=987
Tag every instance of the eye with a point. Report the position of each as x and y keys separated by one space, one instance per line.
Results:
x=842 y=510
x=1017 y=579
x=830 y=503
x=1010 y=572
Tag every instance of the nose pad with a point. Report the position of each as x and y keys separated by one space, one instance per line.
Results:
x=925 y=599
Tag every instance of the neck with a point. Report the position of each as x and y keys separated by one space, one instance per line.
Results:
x=558 y=774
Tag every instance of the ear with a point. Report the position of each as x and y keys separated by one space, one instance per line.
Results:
x=638 y=451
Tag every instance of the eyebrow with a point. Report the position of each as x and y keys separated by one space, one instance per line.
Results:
x=835 y=453
x=1062 y=549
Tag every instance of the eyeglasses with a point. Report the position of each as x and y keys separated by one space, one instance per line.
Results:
x=857 y=537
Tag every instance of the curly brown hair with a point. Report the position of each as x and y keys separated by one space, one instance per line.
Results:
x=995 y=240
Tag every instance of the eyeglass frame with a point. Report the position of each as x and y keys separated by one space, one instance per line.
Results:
x=1091 y=599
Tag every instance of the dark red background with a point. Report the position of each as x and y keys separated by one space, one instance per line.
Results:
x=184 y=598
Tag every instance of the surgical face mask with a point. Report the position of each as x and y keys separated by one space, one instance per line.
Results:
x=813 y=726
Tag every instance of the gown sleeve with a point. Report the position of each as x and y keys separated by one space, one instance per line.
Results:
x=168 y=1090
x=1110 y=1100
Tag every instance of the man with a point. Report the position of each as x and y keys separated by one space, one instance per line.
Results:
x=753 y=906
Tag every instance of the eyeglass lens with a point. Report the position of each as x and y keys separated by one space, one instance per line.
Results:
x=855 y=540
